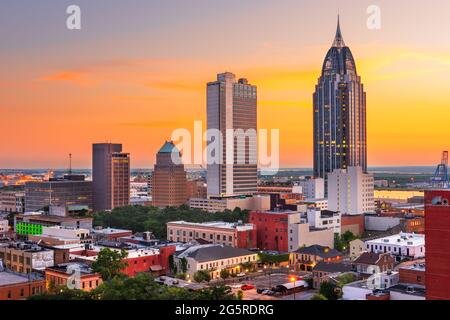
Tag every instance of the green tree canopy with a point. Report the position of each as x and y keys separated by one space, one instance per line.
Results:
x=202 y=275
x=329 y=291
x=110 y=263
x=139 y=218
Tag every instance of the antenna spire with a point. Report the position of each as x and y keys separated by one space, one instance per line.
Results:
x=338 y=39
x=70 y=163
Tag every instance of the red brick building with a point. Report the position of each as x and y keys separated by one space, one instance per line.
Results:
x=271 y=230
x=154 y=260
x=414 y=274
x=437 y=244
x=15 y=286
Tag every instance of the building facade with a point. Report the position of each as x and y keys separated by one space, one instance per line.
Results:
x=437 y=234
x=237 y=235
x=110 y=176
x=351 y=191
x=215 y=258
x=339 y=113
x=66 y=192
x=169 y=178
x=401 y=246
x=285 y=231
x=12 y=201
x=232 y=112
x=312 y=188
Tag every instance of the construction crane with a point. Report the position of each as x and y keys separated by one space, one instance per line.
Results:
x=440 y=178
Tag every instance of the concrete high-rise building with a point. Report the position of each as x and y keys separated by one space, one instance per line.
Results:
x=437 y=244
x=351 y=191
x=110 y=176
x=339 y=113
x=232 y=105
x=169 y=178
x=69 y=192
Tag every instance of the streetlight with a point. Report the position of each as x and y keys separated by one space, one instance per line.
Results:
x=293 y=280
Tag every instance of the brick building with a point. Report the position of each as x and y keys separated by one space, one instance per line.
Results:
x=237 y=235
x=286 y=231
x=414 y=274
x=437 y=235
x=16 y=286
x=59 y=275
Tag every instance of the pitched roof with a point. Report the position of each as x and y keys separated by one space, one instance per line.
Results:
x=168 y=147
x=320 y=251
x=203 y=253
x=368 y=258
x=332 y=267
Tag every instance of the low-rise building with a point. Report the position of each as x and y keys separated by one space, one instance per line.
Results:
x=72 y=275
x=286 y=231
x=32 y=223
x=4 y=226
x=306 y=258
x=17 y=286
x=110 y=234
x=401 y=246
x=237 y=235
x=369 y=263
x=413 y=274
x=323 y=271
x=139 y=259
x=24 y=258
x=324 y=219
x=257 y=202
x=215 y=258
x=357 y=247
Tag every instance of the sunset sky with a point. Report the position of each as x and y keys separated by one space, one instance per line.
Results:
x=138 y=70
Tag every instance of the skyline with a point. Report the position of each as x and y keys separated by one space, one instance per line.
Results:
x=114 y=85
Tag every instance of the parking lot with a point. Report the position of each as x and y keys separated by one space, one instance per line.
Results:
x=266 y=281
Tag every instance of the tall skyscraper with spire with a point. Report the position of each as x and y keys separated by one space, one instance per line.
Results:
x=340 y=139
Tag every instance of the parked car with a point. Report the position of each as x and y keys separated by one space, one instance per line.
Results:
x=246 y=287
x=241 y=274
x=266 y=292
x=270 y=293
x=260 y=291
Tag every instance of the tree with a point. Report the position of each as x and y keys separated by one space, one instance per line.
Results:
x=139 y=218
x=216 y=293
x=202 y=275
x=318 y=297
x=183 y=265
x=110 y=263
x=329 y=291
x=224 y=274
x=62 y=293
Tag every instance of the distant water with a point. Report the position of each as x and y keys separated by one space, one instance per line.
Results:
x=306 y=171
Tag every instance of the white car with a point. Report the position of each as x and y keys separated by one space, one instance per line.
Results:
x=241 y=274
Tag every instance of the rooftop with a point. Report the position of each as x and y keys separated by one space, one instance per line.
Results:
x=320 y=251
x=411 y=239
x=110 y=231
x=414 y=290
x=10 y=278
x=332 y=267
x=48 y=218
x=215 y=224
x=203 y=253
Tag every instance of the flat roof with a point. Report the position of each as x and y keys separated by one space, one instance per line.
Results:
x=49 y=218
x=401 y=239
x=216 y=224
x=110 y=231
x=9 y=278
